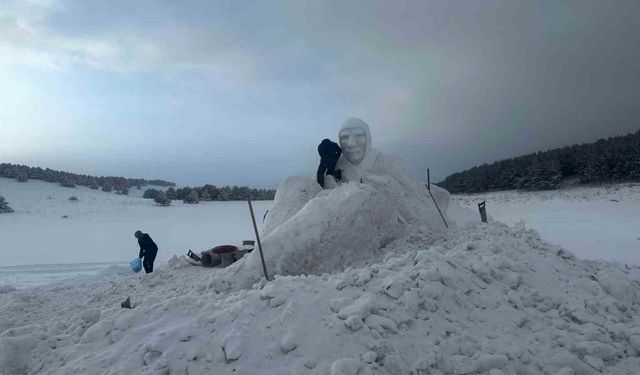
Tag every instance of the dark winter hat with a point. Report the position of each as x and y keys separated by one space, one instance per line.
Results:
x=138 y=234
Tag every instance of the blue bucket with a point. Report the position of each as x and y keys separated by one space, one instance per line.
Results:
x=136 y=265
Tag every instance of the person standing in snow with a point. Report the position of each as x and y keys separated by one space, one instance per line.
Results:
x=148 y=250
x=329 y=155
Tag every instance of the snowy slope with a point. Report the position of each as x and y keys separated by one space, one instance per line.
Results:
x=593 y=222
x=487 y=299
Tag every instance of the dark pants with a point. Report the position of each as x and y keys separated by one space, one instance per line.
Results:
x=147 y=261
x=327 y=166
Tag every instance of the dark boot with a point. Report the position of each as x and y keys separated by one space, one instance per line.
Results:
x=126 y=304
x=338 y=175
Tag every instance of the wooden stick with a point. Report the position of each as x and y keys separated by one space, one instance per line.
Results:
x=428 y=185
x=255 y=228
x=482 y=206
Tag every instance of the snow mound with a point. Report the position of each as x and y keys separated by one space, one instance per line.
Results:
x=348 y=226
x=310 y=230
x=486 y=299
x=292 y=194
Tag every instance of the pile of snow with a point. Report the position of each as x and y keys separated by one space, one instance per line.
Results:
x=348 y=225
x=485 y=299
x=309 y=230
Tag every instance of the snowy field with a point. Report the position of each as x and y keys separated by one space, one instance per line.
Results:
x=483 y=299
x=41 y=246
x=592 y=222
x=99 y=227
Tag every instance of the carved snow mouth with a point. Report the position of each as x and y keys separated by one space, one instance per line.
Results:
x=355 y=155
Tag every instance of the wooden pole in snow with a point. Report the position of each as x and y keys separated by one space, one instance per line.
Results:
x=433 y=199
x=255 y=228
x=482 y=206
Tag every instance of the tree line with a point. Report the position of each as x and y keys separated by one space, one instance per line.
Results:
x=121 y=185
x=208 y=193
x=610 y=160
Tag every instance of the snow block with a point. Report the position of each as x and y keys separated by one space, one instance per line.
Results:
x=345 y=366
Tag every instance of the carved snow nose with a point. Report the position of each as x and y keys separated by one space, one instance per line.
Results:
x=351 y=141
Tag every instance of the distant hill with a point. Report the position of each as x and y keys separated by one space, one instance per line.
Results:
x=611 y=160
x=120 y=185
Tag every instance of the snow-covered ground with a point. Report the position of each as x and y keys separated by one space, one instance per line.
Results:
x=593 y=222
x=99 y=228
x=29 y=276
x=484 y=299
x=488 y=299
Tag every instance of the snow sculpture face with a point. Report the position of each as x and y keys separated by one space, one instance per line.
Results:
x=354 y=140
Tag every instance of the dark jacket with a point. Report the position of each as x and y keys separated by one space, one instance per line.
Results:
x=147 y=246
x=329 y=150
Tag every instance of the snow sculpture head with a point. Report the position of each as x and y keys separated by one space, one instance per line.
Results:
x=355 y=140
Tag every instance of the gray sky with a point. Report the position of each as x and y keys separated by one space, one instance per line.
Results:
x=241 y=92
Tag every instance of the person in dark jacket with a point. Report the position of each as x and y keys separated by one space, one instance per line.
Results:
x=329 y=154
x=148 y=250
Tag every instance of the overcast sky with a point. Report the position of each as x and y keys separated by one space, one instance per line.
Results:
x=241 y=92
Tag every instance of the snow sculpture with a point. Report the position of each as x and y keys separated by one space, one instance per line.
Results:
x=358 y=157
x=360 y=162
x=345 y=226
x=311 y=230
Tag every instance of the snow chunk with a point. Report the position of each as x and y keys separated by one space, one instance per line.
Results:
x=369 y=357
x=354 y=323
x=460 y=365
x=90 y=317
x=288 y=343
x=617 y=284
x=424 y=363
x=345 y=366
x=380 y=323
x=594 y=362
x=361 y=307
x=97 y=331
x=395 y=286
x=596 y=349
x=232 y=347
x=491 y=361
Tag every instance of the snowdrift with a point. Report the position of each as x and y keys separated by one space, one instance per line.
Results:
x=485 y=299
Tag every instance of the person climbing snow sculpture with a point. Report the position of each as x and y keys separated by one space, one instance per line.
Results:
x=329 y=155
x=148 y=250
